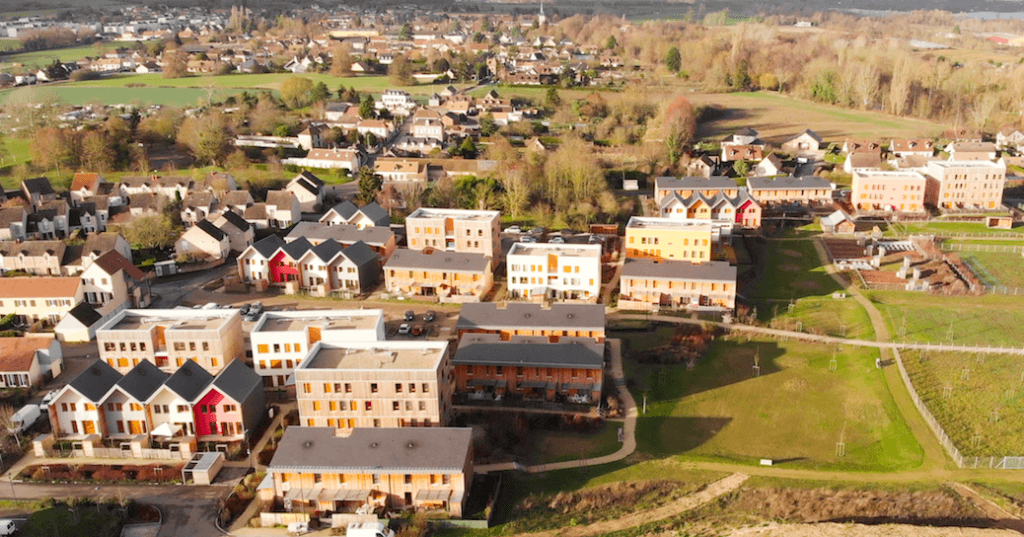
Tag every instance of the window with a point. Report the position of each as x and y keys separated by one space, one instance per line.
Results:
x=191 y=345
x=206 y=345
x=373 y=387
x=277 y=347
x=398 y=387
x=408 y=479
x=333 y=405
x=307 y=388
x=375 y=479
x=423 y=406
x=262 y=348
x=395 y=405
x=446 y=479
x=426 y=388
x=376 y=423
x=179 y=346
x=298 y=347
x=311 y=422
x=182 y=408
x=316 y=406
x=368 y=405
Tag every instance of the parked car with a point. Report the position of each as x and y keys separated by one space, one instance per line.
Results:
x=528 y=238
x=255 y=310
x=513 y=229
x=429 y=316
x=596 y=239
x=404 y=330
x=417 y=330
x=568 y=231
x=410 y=316
x=557 y=240
x=47 y=399
x=537 y=231
x=243 y=310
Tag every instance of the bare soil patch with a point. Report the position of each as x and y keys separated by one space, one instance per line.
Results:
x=790 y=253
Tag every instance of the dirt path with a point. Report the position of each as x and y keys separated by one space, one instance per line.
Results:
x=830 y=529
x=1000 y=516
x=682 y=505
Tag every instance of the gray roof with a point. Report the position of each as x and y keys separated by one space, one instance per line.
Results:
x=39 y=185
x=256 y=211
x=716 y=182
x=344 y=233
x=143 y=379
x=787 y=182
x=808 y=132
x=426 y=449
x=282 y=199
x=189 y=380
x=33 y=248
x=238 y=381
x=360 y=253
x=85 y=314
x=235 y=220
x=267 y=246
x=573 y=355
x=487 y=315
x=346 y=210
x=437 y=260
x=679 y=270
x=95 y=381
x=211 y=229
x=326 y=250
x=297 y=248
x=376 y=214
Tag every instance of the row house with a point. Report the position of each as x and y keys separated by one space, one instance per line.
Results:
x=430 y=273
x=920 y=147
x=398 y=102
x=50 y=220
x=320 y=269
x=280 y=211
x=172 y=187
x=281 y=340
x=98 y=244
x=13 y=223
x=347 y=213
x=455 y=230
x=345 y=471
x=528 y=368
x=380 y=238
x=94 y=212
x=519 y=319
x=649 y=283
x=146 y=204
x=239 y=232
x=965 y=184
x=237 y=201
x=197 y=206
x=188 y=403
x=29 y=361
x=309 y=190
x=169 y=338
x=36 y=299
x=113 y=282
x=672 y=238
x=401 y=169
x=329 y=159
x=888 y=191
x=380 y=128
x=39 y=258
x=968 y=151
x=352 y=384
x=808 y=191
x=38 y=191
x=554 y=271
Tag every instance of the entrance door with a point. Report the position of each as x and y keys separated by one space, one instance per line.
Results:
x=89 y=427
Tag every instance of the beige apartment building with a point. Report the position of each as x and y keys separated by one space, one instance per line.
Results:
x=677 y=284
x=169 y=338
x=375 y=384
x=965 y=184
x=665 y=238
x=888 y=191
x=455 y=230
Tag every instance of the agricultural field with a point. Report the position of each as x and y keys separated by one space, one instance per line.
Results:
x=774 y=117
x=45 y=57
x=995 y=320
x=795 y=412
x=978 y=399
x=792 y=270
x=996 y=268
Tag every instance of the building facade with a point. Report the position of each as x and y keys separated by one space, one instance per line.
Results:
x=554 y=271
x=455 y=230
x=648 y=282
x=965 y=185
x=888 y=191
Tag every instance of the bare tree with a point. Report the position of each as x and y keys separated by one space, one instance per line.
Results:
x=866 y=85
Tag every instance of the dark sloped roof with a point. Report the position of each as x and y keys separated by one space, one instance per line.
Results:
x=95 y=381
x=327 y=250
x=237 y=381
x=85 y=314
x=679 y=270
x=189 y=380
x=266 y=247
x=143 y=379
x=360 y=253
x=344 y=233
x=346 y=210
x=433 y=449
x=236 y=220
x=487 y=315
x=297 y=248
x=572 y=355
x=39 y=185
x=10 y=215
x=376 y=214
x=211 y=229
x=436 y=260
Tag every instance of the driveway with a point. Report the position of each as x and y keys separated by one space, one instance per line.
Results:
x=172 y=289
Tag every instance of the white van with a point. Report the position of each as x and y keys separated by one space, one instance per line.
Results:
x=7 y=526
x=24 y=418
x=369 y=529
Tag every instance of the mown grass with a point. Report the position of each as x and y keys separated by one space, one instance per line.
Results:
x=996 y=320
x=819 y=315
x=45 y=57
x=559 y=446
x=955 y=229
x=984 y=405
x=1005 y=268
x=792 y=270
x=794 y=412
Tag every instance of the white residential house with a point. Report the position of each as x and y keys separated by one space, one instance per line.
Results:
x=554 y=271
x=172 y=402
x=203 y=240
x=280 y=340
x=29 y=361
x=399 y=102
x=308 y=189
x=113 y=282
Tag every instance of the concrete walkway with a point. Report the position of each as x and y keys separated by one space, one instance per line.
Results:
x=618 y=376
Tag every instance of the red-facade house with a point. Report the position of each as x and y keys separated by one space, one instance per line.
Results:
x=232 y=405
x=284 y=265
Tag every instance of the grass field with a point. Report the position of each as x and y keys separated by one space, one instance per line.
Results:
x=120 y=95
x=7 y=45
x=794 y=413
x=977 y=320
x=792 y=270
x=819 y=315
x=983 y=408
x=777 y=118
x=45 y=57
x=953 y=229
x=998 y=269
x=558 y=446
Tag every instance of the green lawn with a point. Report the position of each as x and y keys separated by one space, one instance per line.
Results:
x=953 y=229
x=819 y=315
x=794 y=412
x=10 y=45
x=64 y=520
x=984 y=407
x=977 y=320
x=792 y=270
x=558 y=446
x=998 y=269
x=80 y=95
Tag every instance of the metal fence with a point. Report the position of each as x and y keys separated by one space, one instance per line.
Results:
x=992 y=248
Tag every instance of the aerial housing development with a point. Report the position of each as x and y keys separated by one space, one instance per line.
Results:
x=405 y=270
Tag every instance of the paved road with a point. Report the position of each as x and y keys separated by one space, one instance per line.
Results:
x=172 y=289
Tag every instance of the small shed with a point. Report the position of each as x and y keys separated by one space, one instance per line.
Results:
x=999 y=222
x=166 y=268
x=202 y=468
x=838 y=222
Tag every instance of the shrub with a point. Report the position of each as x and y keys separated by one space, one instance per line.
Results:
x=109 y=474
